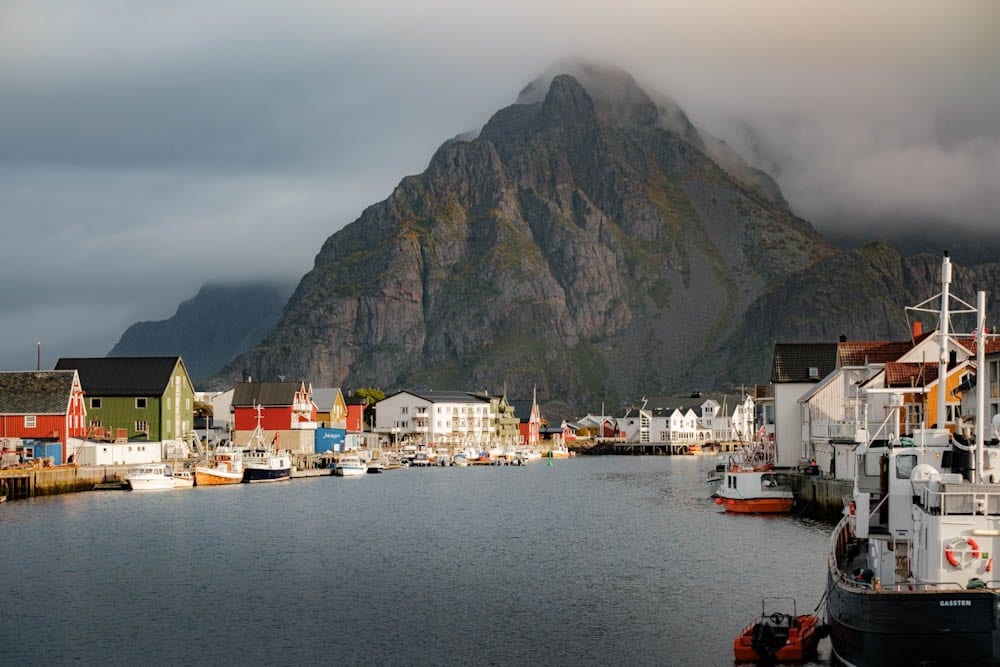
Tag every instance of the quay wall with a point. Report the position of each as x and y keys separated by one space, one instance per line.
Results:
x=820 y=497
x=29 y=482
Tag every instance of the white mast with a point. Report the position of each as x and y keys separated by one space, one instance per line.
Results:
x=980 y=382
x=943 y=349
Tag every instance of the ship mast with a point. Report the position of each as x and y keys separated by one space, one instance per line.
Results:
x=943 y=347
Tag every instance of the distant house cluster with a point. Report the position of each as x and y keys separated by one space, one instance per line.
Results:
x=131 y=410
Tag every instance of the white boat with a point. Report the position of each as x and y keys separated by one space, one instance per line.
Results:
x=910 y=568
x=746 y=490
x=460 y=459
x=183 y=479
x=264 y=465
x=421 y=459
x=226 y=468
x=262 y=462
x=350 y=465
x=150 y=477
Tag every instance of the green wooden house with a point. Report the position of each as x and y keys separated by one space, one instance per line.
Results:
x=139 y=398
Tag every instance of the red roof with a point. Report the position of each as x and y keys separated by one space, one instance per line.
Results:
x=910 y=374
x=992 y=345
x=862 y=353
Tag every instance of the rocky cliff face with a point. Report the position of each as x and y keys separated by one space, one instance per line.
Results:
x=208 y=330
x=861 y=294
x=585 y=243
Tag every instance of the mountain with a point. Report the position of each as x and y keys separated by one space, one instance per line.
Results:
x=590 y=242
x=209 y=330
x=860 y=294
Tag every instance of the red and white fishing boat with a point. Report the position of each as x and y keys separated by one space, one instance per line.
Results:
x=750 y=485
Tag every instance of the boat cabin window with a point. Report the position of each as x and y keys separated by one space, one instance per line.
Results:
x=904 y=465
x=872 y=463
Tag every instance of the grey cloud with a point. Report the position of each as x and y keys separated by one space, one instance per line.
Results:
x=150 y=147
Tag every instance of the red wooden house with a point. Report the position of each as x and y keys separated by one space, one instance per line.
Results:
x=356 y=408
x=287 y=413
x=41 y=408
x=529 y=421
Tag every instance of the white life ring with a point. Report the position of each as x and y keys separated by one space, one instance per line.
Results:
x=949 y=551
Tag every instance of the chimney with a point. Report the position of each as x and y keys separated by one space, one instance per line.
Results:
x=843 y=338
x=918 y=329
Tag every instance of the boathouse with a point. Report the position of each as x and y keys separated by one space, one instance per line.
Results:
x=287 y=414
x=39 y=410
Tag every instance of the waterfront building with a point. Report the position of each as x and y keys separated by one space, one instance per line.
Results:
x=529 y=421
x=331 y=408
x=795 y=369
x=39 y=410
x=831 y=409
x=440 y=418
x=287 y=414
x=135 y=398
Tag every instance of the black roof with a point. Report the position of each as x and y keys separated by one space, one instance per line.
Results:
x=792 y=361
x=122 y=376
x=35 y=392
x=522 y=409
x=265 y=393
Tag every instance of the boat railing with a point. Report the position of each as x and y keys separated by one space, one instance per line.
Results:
x=960 y=499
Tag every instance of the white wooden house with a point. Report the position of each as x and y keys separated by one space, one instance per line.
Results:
x=795 y=370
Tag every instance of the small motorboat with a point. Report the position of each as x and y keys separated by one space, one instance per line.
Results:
x=183 y=479
x=777 y=636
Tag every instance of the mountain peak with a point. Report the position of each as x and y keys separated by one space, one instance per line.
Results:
x=614 y=94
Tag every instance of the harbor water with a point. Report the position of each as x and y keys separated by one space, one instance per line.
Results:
x=592 y=560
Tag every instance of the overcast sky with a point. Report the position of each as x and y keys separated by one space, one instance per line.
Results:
x=148 y=147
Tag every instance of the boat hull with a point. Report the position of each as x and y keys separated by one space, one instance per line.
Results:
x=954 y=627
x=216 y=477
x=151 y=484
x=758 y=505
x=350 y=471
x=253 y=475
x=799 y=645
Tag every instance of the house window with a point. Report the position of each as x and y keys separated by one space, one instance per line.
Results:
x=29 y=421
x=140 y=403
x=95 y=403
x=403 y=410
x=141 y=426
x=95 y=423
x=168 y=403
x=813 y=372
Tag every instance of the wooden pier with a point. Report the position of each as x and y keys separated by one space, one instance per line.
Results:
x=609 y=446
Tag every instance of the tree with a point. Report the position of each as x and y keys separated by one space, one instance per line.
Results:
x=371 y=394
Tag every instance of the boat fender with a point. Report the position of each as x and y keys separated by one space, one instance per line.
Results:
x=989 y=564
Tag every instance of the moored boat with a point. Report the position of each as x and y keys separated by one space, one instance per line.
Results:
x=262 y=462
x=350 y=465
x=183 y=479
x=226 y=467
x=909 y=576
x=778 y=636
x=746 y=490
x=150 y=477
x=266 y=466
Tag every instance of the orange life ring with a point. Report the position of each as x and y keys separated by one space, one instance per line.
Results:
x=949 y=551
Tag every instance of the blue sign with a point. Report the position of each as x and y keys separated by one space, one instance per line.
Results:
x=330 y=440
